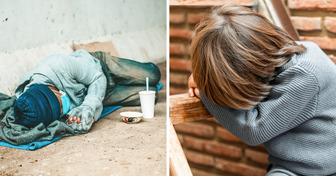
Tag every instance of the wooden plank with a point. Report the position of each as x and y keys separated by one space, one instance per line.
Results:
x=178 y=164
x=183 y=108
x=280 y=15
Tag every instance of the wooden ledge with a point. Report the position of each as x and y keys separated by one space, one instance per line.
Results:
x=183 y=108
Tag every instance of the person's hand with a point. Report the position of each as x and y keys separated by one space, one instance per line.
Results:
x=81 y=118
x=193 y=90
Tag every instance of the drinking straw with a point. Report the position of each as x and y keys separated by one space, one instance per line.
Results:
x=147 y=83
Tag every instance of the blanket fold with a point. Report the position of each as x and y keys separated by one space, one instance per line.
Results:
x=18 y=134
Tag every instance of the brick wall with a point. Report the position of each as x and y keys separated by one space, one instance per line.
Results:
x=210 y=149
x=315 y=21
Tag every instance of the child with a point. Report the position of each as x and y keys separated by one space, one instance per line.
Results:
x=265 y=88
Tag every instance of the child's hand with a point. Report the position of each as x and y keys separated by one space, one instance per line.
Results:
x=193 y=90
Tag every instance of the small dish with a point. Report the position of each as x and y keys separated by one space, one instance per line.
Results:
x=131 y=116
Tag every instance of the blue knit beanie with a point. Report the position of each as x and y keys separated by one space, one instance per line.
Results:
x=37 y=104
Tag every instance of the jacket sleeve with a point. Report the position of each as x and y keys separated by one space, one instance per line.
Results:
x=292 y=101
x=89 y=73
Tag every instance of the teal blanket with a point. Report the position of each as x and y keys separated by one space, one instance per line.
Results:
x=40 y=144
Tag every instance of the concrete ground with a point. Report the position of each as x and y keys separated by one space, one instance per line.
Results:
x=112 y=147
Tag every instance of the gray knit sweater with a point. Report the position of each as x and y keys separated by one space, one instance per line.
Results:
x=297 y=123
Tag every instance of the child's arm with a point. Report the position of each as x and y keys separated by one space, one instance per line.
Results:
x=291 y=102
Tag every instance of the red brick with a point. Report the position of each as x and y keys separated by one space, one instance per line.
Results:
x=180 y=33
x=199 y=158
x=257 y=156
x=180 y=138
x=176 y=18
x=213 y=147
x=207 y=172
x=330 y=24
x=333 y=58
x=324 y=42
x=200 y=130
x=306 y=23
x=260 y=146
x=224 y=134
x=179 y=79
x=179 y=64
x=208 y=2
x=328 y=5
x=174 y=90
x=176 y=48
x=194 y=18
x=239 y=168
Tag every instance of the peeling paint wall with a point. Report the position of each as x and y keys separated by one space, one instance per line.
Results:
x=34 y=23
x=30 y=30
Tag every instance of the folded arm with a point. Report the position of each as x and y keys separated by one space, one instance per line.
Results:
x=90 y=74
x=290 y=103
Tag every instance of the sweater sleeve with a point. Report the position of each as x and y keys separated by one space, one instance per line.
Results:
x=292 y=101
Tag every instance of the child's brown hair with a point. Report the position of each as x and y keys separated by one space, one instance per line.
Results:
x=233 y=52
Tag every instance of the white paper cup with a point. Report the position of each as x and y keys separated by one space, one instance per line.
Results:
x=147 y=100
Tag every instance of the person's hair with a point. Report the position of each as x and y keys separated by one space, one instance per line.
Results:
x=233 y=52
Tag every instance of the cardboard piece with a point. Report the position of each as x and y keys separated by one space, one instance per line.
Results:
x=107 y=47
